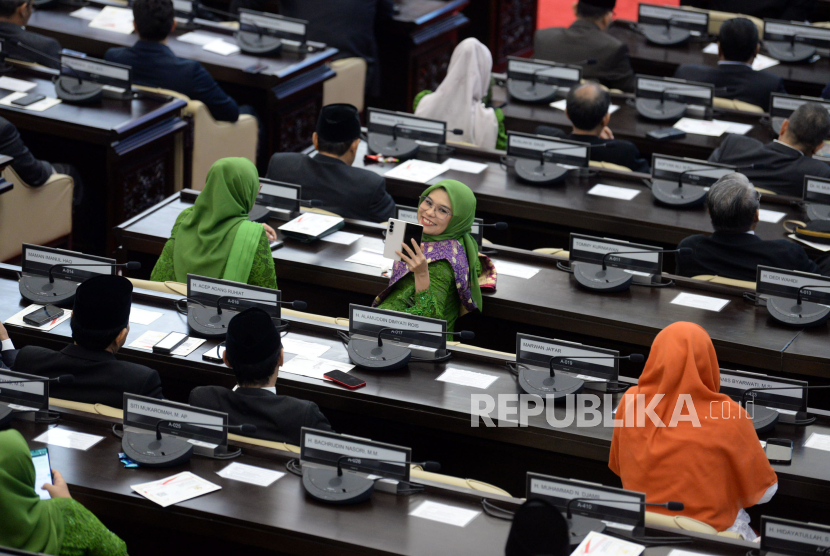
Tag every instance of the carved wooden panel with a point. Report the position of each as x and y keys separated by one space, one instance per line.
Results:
x=297 y=124
x=516 y=24
x=431 y=68
x=145 y=183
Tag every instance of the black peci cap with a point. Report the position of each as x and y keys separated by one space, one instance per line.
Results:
x=102 y=303
x=338 y=123
x=252 y=337
x=602 y=4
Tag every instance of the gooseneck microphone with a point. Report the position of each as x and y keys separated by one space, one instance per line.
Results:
x=155 y=450
x=683 y=250
x=671 y=506
x=557 y=386
x=62 y=379
x=296 y=304
x=465 y=334
x=311 y=203
x=131 y=265
x=558 y=360
x=431 y=466
x=422 y=128
x=813 y=286
x=501 y=226
x=764 y=419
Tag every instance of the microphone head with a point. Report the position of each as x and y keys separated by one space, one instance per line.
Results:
x=500 y=225
x=431 y=466
x=299 y=305
x=675 y=506
x=467 y=335
x=133 y=265
x=247 y=429
x=457 y=131
x=66 y=379
x=636 y=358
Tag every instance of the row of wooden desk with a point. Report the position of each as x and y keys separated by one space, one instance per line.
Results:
x=409 y=407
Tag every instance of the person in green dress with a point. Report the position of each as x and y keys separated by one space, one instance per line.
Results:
x=59 y=526
x=434 y=279
x=461 y=98
x=214 y=237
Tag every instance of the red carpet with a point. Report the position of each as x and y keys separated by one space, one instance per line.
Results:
x=559 y=13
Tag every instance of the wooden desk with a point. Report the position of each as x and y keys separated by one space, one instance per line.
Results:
x=649 y=59
x=550 y=301
x=411 y=408
x=287 y=95
x=627 y=124
x=415 y=49
x=123 y=150
x=507 y=27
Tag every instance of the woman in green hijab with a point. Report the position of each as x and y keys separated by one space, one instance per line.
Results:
x=433 y=279
x=60 y=525
x=214 y=237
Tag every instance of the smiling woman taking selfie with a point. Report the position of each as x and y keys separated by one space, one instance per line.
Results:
x=433 y=279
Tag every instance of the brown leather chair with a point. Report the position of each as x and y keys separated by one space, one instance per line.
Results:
x=349 y=85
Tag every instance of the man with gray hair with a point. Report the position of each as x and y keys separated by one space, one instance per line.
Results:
x=734 y=251
x=781 y=165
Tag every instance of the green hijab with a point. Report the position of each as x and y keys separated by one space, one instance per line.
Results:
x=463 y=213
x=26 y=521
x=216 y=239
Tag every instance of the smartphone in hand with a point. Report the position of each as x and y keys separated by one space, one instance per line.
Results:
x=401 y=232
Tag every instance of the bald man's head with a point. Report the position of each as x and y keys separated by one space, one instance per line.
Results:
x=587 y=106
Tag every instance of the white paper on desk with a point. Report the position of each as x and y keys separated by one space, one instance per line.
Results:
x=301 y=347
x=736 y=128
x=221 y=47
x=39 y=106
x=711 y=48
x=249 y=474
x=69 y=439
x=614 y=192
x=17 y=318
x=701 y=127
x=700 y=302
x=175 y=489
x=311 y=224
x=147 y=340
x=770 y=216
x=195 y=37
x=341 y=237
x=518 y=270
x=467 y=378
x=86 y=13
x=563 y=105
x=762 y=62
x=464 y=166
x=16 y=85
x=820 y=246
x=444 y=513
x=597 y=544
x=119 y=20
x=622 y=526
x=140 y=316
x=416 y=170
x=188 y=347
x=313 y=367
x=22 y=407
x=818 y=442
x=370 y=257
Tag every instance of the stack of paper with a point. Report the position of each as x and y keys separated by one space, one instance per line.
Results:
x=416 y=170
x=309 y=226
x=313 y=367
x=175 y=489
x=119 y=20
x=702 y=127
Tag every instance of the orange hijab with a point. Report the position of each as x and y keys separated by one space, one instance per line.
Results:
x=715 y=469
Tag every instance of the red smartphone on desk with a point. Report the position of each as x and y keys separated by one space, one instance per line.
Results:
x=345 y=379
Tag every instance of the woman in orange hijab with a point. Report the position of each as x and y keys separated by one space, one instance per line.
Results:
x=713 y=463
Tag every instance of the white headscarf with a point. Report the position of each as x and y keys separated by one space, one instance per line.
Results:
x=457 y=100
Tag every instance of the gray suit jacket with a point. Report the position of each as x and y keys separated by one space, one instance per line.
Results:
x=584 y=40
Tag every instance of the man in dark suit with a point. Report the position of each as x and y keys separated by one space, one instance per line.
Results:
x=31 y=170
x=586 y=39
x=587 y=108
x=254 y=352
x=14 y=15
x=734 y=78
x=154 y=64
x=734 y=251
x=782 y=164
x=6 y=348
x=329 y=176
x=100 y=323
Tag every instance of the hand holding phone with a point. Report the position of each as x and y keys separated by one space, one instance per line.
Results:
x=345 y=379
x=398 y=233
x=43 y=471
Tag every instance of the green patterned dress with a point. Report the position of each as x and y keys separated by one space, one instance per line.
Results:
x=84 y=534
x=262 y=271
